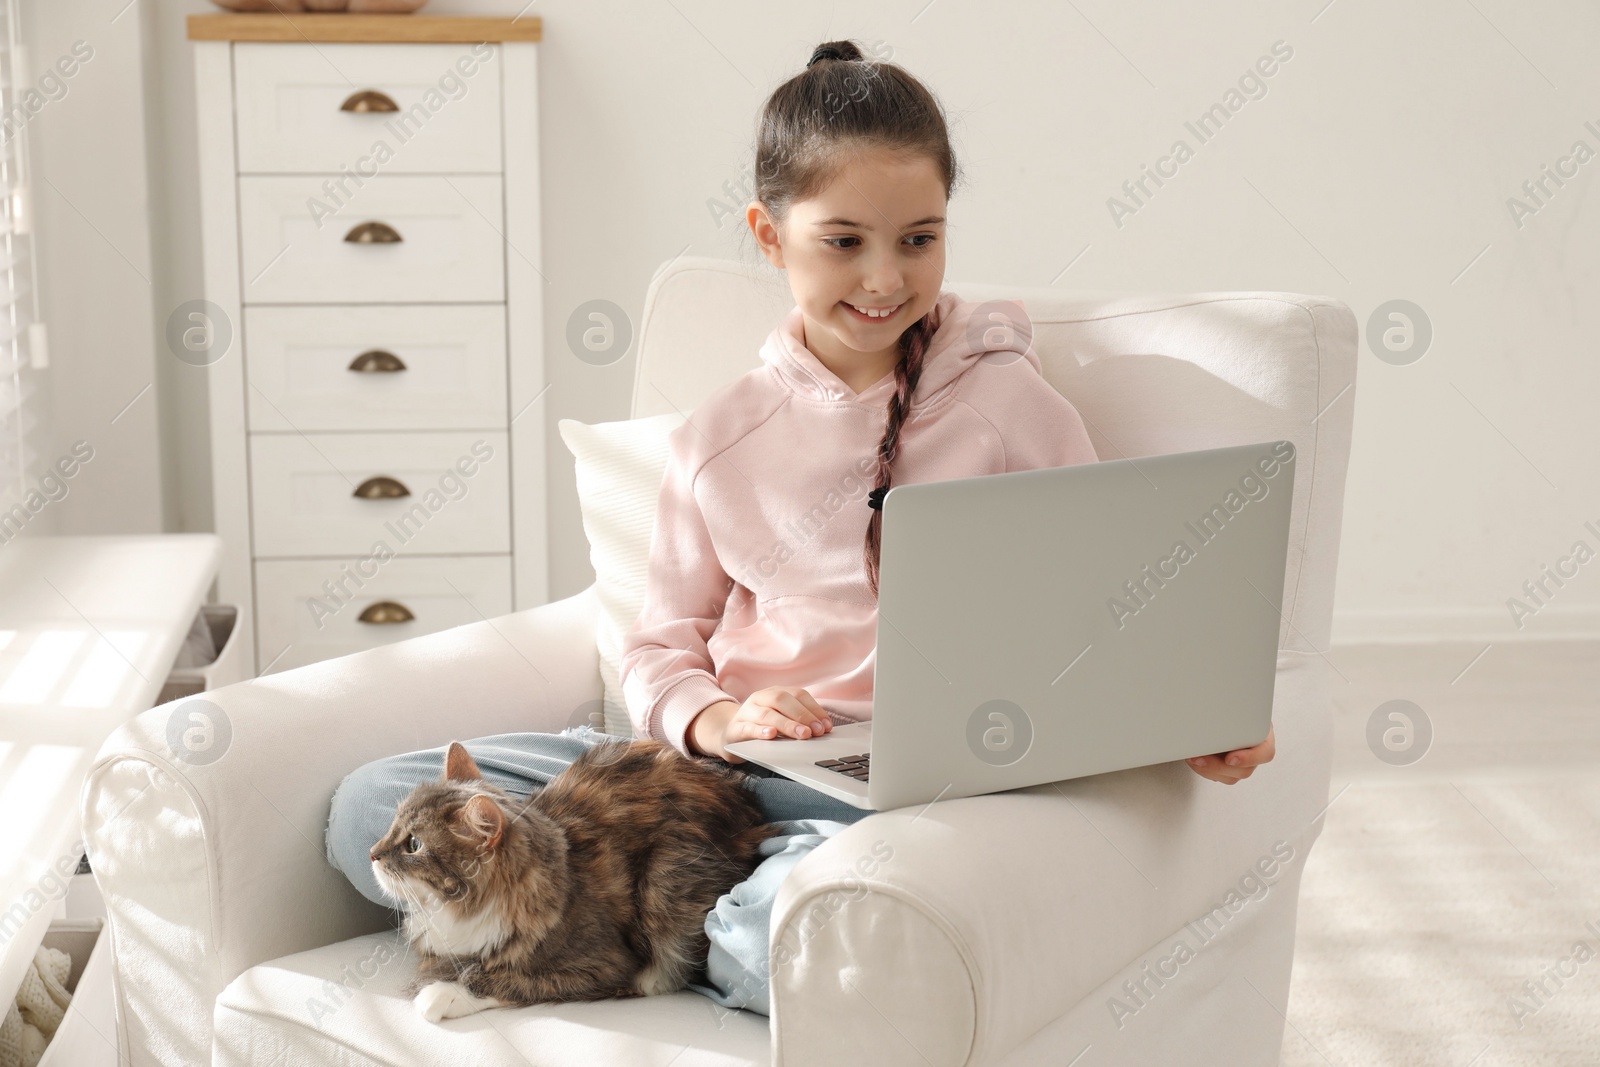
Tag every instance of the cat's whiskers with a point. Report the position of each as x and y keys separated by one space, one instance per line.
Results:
x=436 y=927
x=392 y=887
x=416 y=909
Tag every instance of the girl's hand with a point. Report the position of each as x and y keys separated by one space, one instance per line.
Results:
x=1235 y=766
x=766 y=715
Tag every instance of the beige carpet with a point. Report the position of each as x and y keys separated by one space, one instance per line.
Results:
x=1438 y=890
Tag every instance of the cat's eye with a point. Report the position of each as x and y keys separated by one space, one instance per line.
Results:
x=412 y=844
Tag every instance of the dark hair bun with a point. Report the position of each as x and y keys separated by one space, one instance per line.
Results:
x=834 y=50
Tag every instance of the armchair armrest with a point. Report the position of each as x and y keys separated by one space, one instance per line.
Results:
x=212 y=861
x=953 y=933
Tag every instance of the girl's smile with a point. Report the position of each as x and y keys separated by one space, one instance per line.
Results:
x=880 y=314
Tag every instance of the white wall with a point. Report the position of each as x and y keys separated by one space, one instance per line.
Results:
x=1377 y=166
x=96 y=277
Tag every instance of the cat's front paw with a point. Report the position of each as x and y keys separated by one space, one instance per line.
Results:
x=450 y=1000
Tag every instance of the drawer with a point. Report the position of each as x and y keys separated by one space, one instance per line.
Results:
x=444 y=244
x=303 y=498
x=310 y=609
x=299 y=108
x=433 y=367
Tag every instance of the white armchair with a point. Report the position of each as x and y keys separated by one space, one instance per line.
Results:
x=1147 y=915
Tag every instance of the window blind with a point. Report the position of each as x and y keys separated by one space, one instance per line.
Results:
x=22 y=354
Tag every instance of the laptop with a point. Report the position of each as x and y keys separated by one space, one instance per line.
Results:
x=1042 y=625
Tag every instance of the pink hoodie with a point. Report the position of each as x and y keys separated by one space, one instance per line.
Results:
x=756 y=574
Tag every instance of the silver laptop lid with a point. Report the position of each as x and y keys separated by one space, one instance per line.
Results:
x=1041 y=625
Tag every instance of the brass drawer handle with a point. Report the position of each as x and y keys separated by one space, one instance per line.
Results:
x=377 y=361
x=385 y=611
x=373 y=233
x=381 y=487
x=369 y=100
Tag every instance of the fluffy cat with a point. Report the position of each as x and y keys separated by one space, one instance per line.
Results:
x=596 y=886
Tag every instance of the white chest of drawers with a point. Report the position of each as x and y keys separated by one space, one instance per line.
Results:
x=372 y=324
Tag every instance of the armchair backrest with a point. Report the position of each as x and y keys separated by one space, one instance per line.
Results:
x=1149 y=373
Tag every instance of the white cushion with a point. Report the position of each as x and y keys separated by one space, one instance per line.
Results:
x=342 y=1004
x=619 y=466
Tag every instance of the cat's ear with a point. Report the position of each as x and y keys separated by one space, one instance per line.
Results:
x=458 y=766
x=482 y=819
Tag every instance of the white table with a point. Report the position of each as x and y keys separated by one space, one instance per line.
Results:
x=89 y=629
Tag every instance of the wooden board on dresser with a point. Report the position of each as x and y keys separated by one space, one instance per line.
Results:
x=370 y=210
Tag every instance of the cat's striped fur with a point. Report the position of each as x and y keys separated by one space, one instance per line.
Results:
x=596 y=886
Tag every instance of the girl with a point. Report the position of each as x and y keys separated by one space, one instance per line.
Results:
x=760 y=609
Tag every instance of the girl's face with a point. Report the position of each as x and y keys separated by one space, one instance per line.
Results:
x=873 y=238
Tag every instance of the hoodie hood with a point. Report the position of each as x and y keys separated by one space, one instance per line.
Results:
x=966 y=333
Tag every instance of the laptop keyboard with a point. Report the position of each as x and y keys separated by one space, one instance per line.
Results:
x=852 y=766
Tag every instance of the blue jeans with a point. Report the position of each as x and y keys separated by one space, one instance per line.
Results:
x=737 y=967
